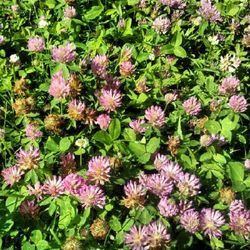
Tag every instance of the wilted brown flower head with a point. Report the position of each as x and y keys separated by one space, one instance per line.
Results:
x=141 y=86
x=115 y=163
x=89 y=116
x=227 y=195
x=173 y=144
x=99 y=229
x=72 y=244
x=214 y=105
x=75 y=85
x=54 y=123
x=23 y=106
x=20 y=86
x=200 y=123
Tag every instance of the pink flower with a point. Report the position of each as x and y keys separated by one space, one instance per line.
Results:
x=72 y=183
x=210 y=221
x=136 y=126
x=53 y=186
x=247 y=164
x=29 y=208
x=135 y=194
x=229 y=85
x=155 y=116
x=99 y=65
x=37 y=190
x=59 y=87
x=238 y=103
x=160 y=161
x=98 y=170
x=136 y=238
x=161 y=25
x=192 y=106
x=36 y=44
x=110 y=99
x=69 y=12
x=159 y=185
x=64 y=54
x=172 y=171
x=167 y=207
x=127 y=68
x=190 y=220
x=209 y=12
x=12 y=175
x=76 y=110
x=240 y=222
x=92 y=196
x=28 y=159
x=103 y=121
x=157 y=235
x=188 y=184
x=32 y=131
x=170 y=97
x=184 y=205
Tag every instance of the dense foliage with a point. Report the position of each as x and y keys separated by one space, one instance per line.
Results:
x=124 y=124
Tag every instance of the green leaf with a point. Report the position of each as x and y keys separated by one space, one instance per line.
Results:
x=180 y=52
x=153 y=145
x=85 y=216
x=212 y=126
x=219 y=158
x=115 y=129
x=115 y=224
x=51 y=145
x=42 y=245
x=103 y=137
x=128 y=31
x=142 y=98
x=144 y=158
x=12 y=203
x=64 y=144
x=50 y=3
x=247 y=182
x=36 y=236
x=236 y=174
x=128 y=223
x=137 y=148
x=129 y=134
x=233 y=11
x=28 y=246
x=145 y=217
x=94 y=12
x=133 y=2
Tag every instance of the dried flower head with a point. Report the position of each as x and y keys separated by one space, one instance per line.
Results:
x=29 y=209
x=173 y=144
x=74 y=85
x=23 y=106
x=227 y=195
x=99 y=229
x=89 y=116
x=20 y=87
x=54 y=123
x=67 y=164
